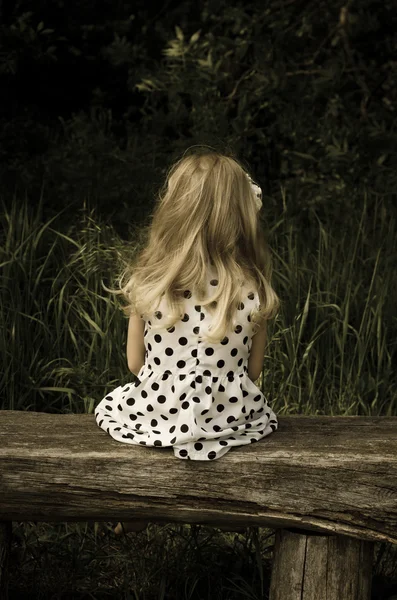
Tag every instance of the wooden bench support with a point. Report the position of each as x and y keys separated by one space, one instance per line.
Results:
x=308 y=566
x=5 y=551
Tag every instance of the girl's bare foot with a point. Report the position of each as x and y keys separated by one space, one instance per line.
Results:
x=130 y=526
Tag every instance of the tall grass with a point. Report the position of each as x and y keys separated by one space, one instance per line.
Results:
x=333 y=346
x=331 y=349
x=61 y=336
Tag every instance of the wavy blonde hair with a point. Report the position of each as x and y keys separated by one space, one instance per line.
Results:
x=206 y=214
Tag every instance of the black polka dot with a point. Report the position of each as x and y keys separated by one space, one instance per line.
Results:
x=209 y=351
x=211 y=455
x=220 y=408
x=149 y=407
x=198 y=446
x=185 y=405
x=184 y=428
x=157 y=338
x=161 y=399
x=173 y=440
x=182 y=341
x=153 y=422
x=169 y=351
x=220 y=364
x=183 y=452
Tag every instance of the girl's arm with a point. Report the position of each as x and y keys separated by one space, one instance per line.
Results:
x=135 y=344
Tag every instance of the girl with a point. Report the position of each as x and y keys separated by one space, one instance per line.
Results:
x=199 y=296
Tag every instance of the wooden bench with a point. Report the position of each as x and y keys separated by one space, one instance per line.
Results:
x=327 y=485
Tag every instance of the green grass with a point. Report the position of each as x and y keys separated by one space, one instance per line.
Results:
x=331 y=349
x=62 y=341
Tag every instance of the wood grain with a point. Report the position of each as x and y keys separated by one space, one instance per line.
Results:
x=332 y=474
x=314 y=567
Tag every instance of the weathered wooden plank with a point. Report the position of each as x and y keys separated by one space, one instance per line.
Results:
x=309 y=566
x=322 y=473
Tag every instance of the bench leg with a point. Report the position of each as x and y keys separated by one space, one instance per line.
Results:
x=308 y=565
x=5 y=551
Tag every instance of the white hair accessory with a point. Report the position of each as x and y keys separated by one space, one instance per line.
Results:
x=257 y=191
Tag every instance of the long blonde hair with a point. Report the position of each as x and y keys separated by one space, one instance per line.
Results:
x=205 y=215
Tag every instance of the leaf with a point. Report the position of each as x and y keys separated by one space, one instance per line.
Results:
x=195 y=37
x=303 y=155
x=179 y=33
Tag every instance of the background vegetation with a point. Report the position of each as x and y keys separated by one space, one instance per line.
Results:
x=99 y=102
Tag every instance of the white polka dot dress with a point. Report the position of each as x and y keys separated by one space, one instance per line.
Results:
x=190 y=394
